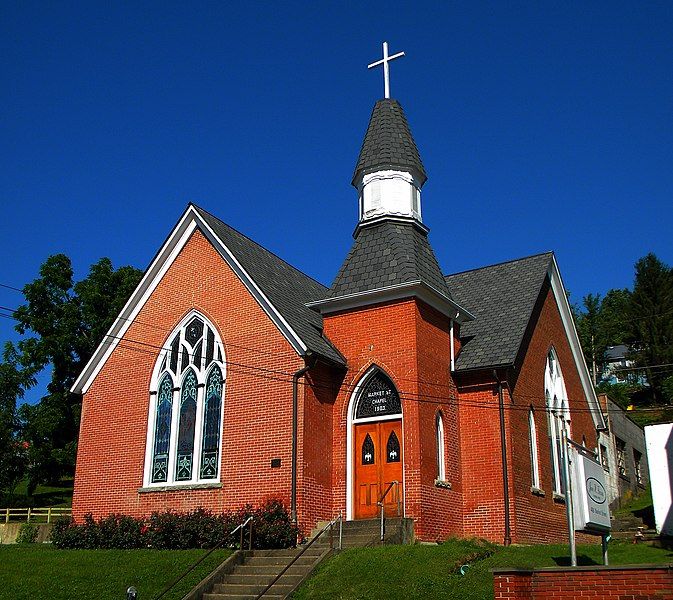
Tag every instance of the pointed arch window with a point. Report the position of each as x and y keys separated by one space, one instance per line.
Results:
x=441 y=463
x=558 y=418
x=368 y=454
x=393 y=448
x=532 y=439
x=185 y=424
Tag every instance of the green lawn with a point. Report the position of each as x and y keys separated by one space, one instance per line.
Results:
x=402 y=572
x=45 y=495
x=30 y=572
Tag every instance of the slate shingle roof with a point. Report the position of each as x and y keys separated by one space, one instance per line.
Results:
x=388 y=143
x=388 y=253
x=287 y=288
x=502 y=298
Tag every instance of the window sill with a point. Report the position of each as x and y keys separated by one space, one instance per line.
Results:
x=180 y=486
x=440 y=483
x=537 y=492
x=558 y=498
x=625 y=478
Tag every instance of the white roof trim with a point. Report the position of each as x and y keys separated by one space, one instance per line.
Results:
x=418 y=288
x=188 y=223
x=571 y=333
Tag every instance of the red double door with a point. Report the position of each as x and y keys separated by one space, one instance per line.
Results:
x=378 y=462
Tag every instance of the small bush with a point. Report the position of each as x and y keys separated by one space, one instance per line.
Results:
x=27 y=534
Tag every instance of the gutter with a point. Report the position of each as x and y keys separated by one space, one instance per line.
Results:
x=295 y=411
x=503 y=449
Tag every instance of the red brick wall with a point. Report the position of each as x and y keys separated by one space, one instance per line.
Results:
x=410 y=342
x=257 y=404
x=483 y=506
x=542 y=519
x=533 y=518
x=643 y=582
x=441 y=508
x=317 y=392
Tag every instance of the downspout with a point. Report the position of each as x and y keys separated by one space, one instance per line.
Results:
x=295 y=412
x=503 y=449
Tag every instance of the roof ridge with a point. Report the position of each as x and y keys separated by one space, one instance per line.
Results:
x=504 y=262
x=271 y=252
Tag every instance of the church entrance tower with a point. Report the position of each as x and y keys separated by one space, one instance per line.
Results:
x=390 y=313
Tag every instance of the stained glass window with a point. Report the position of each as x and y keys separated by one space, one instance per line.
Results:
x=393 y=448
x=186 y=428
x=378 y=397
x=187 y=421
x=368 y=451
x=211 y=424
x=162 y=429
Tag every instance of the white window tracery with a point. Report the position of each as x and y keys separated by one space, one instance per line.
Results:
x=558 y=416
x=441 y=462
x=186 y=407
x=534 y=462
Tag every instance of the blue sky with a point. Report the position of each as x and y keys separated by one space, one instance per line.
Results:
x=542 y=126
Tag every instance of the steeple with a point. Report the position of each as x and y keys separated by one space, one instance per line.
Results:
x=389 y=173
x=391 y=258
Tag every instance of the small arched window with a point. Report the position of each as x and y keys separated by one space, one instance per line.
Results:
x=441 y=451
x=558 y=417
x=534 y=463
x=185 y=424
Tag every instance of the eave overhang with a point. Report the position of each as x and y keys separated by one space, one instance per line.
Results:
x=412 y=289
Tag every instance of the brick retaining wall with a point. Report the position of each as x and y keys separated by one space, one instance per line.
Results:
x=637 y=582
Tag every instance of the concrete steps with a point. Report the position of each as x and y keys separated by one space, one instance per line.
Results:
x=247 y=574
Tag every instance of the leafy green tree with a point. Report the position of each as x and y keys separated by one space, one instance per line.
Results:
x=14 y=380
x=62 y=323
x=651 y=320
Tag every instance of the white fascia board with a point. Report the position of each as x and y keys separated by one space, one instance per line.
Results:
x=155 y=272
x=272 y=312
x=418 y=289
x=571 y=333
x=188 y=223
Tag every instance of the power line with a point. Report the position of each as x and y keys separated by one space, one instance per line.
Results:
x=11 y=287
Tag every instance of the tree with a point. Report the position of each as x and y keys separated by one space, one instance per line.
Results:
x=601 y=323
x=62 y=323
x=14 y=380
x=651 y=321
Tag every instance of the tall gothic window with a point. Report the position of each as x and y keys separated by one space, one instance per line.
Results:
x=441 y=463
x=534 y=463
x=186 y=403
x=558 y=417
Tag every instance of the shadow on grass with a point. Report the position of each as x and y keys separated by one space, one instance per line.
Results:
x=57 y=494
x=582 y=561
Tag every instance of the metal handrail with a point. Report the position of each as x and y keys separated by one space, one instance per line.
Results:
x=207 y=554
x=329 y=526
x=380 y=504
x=242 y=528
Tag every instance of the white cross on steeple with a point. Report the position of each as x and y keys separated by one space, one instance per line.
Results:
x=386 y=59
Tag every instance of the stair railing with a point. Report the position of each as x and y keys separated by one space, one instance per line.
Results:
x=240 y=528
x=329 y=526
x=380 y=504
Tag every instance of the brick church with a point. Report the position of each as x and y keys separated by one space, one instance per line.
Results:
x=230 y=376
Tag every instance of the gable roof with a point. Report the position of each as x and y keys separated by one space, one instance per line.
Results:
x=288 y=289
x=502 y=298
x=281 y=290
x=385 y=254
x=388 y=143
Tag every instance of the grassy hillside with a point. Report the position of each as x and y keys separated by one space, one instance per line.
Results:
x=403 y=572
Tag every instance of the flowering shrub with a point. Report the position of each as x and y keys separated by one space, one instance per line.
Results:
x=272 y=528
